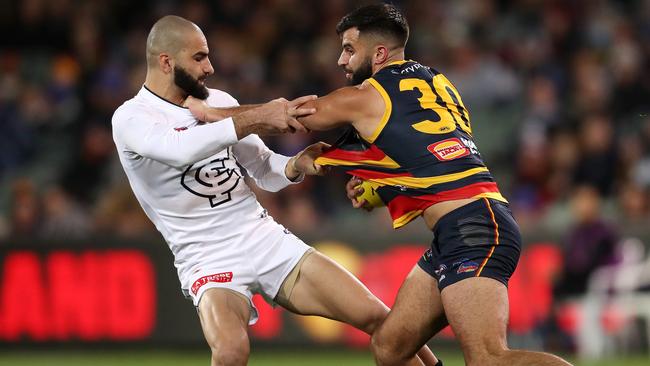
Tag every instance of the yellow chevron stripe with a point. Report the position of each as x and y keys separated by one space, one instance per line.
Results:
x=386 y=162
x=406 y=218
x=493 y=195
x=426 y=182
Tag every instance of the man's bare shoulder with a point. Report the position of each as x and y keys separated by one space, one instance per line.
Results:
x=356 y=90
x=357 y=96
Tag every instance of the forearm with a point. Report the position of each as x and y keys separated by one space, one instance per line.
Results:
x=246 y=123
x=245 y=119
x=217 y=114
x=271 y=171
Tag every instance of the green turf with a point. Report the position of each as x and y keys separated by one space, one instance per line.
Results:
x=258 y=358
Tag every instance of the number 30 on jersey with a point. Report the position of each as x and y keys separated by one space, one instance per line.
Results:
x=442 y=99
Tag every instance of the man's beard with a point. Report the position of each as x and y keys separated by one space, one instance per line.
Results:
x=188 y=84
x=363 y=72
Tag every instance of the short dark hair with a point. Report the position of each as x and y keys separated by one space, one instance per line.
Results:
x=383 y=19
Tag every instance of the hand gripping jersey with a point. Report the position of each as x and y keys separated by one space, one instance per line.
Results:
x=422 y=152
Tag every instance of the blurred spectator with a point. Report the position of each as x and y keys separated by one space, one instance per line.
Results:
x=598 y=165
x=633 y=201
x=591 y=92
x=564 y=153
x=641 y=167
x=25 y=209
x=62 y=218
x=86 y=174
x=118 y=213
x=17 y=138
x=591 y=242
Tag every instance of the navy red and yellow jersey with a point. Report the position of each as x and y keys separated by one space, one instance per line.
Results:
x=422 y=151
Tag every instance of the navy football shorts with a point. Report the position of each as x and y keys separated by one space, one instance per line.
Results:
x=480 y=239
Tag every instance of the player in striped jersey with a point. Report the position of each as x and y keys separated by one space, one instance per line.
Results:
x=411 y=136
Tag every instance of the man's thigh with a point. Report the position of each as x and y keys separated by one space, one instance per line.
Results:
x=477 y=309
x=224 y=316
x=325 y=288
x=416 y=316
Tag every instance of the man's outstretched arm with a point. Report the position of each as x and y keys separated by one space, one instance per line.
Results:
x=142 y=133
x=336 y=109
x=360 y=106
x=243 y=116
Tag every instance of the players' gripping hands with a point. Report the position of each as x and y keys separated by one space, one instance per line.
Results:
x=275 y=117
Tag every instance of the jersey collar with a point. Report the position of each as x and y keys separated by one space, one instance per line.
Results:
x=154 y=98
x=398 y=62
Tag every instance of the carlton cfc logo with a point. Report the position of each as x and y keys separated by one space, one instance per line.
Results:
x=448 y=149
x=213 y=180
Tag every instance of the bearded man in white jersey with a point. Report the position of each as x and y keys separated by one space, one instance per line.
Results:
x=186 y=175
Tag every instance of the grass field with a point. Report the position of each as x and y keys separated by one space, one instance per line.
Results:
x=258 y=358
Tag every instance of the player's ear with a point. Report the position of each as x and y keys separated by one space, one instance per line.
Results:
x=166 y=63
x=381 y=54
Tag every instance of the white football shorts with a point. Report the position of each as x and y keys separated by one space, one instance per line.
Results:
x=259 y=264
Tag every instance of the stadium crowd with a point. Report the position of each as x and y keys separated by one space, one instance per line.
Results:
x=559 y=93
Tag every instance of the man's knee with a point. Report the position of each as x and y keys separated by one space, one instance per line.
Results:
x=486 y=355
x=375 y=316
x=386 y=350
x=230 y=355
x=229 y=351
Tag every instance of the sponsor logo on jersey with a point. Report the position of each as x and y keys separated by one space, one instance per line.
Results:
x=179 y=129
x=467 y=267
x=411 y=68
x=448 y=149
x=217 y=277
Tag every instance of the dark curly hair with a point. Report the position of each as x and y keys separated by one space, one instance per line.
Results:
x=381 y=19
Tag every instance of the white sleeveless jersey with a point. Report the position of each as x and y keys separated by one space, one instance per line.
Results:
x=187 y=176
